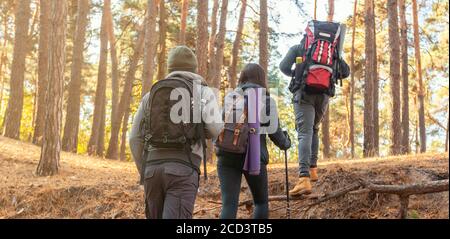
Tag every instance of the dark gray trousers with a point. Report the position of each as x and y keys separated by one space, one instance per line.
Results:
x=309 y=111
x=170 y=191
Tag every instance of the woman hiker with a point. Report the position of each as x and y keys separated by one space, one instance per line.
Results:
x=231 y=166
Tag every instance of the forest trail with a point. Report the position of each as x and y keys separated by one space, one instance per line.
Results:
x=89 y=187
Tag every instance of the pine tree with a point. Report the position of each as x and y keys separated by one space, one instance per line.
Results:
x=51 y=145
x=70 y=137
x=15 y=103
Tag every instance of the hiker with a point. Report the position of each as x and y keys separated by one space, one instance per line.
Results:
x=234 y=159
x=318 y=67
x=167 y=153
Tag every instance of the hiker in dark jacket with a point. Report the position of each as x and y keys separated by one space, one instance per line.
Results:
x=171 y=187
x=309 y=111
x=230 y=165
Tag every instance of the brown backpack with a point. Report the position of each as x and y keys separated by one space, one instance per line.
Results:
x=234 y=136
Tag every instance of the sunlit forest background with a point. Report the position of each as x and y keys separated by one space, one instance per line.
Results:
x=113 y=47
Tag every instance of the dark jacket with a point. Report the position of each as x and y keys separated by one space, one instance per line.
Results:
x=278 y=138
x=289 y=60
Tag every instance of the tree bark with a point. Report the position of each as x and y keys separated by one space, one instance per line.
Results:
x=44 y=31
x=100 y=93
x=264 y=37
x=123 y=139
x=326 y=117
x=220 y=44
x=448 y=128
x=3 y=59
x=237 y=45
x=370 y=53
x=184 y=14
x=212 y=43
x=115 y=81
x=150 y=46
x=421 y=93
x=70 y=138
x=394 y=73
x=125 y=99
x=352 y=82
x=162 y=61
x=15 y=102
x=406 y=149
x=202 y=38
x=376 y=95
x=330 y=10
x=51 y=145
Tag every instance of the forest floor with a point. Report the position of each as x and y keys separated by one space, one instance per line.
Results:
x=89 y=187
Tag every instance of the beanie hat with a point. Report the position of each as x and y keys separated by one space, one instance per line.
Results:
x=181 y=58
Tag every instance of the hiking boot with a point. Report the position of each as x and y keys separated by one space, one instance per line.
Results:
x=303 y=187
x=313 y=174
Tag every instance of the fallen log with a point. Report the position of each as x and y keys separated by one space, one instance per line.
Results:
x=412 y=189
x=404 y=191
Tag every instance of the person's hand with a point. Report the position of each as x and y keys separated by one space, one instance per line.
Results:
x=288 y=141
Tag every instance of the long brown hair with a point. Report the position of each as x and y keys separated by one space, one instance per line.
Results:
x=253 y=73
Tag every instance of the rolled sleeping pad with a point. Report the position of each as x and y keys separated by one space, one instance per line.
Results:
x=253 y=157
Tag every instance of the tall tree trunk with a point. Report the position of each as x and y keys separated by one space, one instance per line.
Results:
x=3 y=60
x=370 y=53
x=405 y=80
x=15 y=102
x=162 y=61
x=100 y=93
x=237 y=45
x=264 y=36
x=202 y=38
x=123 y=138
x=394 y=72
x=447 y=135
x=352 y=82
x=376 y=95
x=421 y=93
x=212 y=43
x=184 y=14
x=115 y=84
x=100 y=149
x=51 y=145
x=70 y=138
x=220 y=44
x=150 y=46
x=125 y=99
x=330 y=10
x=326 y=117
x=44 y=31
x=202 y=52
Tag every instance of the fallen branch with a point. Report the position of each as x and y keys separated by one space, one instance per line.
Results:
x=279 y=198
x=406 y=190
x=360 y=187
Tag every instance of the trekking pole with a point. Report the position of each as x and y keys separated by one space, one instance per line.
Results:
x=288 y=207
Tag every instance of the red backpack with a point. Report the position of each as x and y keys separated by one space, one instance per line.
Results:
x=319 y=67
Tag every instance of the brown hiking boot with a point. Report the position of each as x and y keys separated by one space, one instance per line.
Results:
x=303 y=187
x=313 y=174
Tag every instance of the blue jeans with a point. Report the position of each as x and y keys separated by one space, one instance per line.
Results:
x=230 y=176
x=309 y=111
